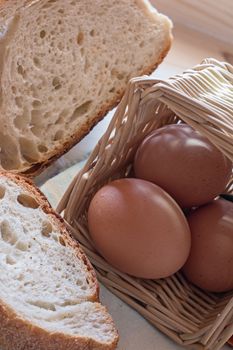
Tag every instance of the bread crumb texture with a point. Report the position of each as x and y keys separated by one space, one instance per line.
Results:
x=63 y=64
x=44 y=277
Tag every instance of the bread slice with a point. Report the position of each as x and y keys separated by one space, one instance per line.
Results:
x=63 y=65
x=48 y=289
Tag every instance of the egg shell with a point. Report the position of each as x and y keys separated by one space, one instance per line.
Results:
x=139 y=229
x=210 y=264
x=184 y=163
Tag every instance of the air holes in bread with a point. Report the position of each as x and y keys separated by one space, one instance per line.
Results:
x=92 y=32
x=28 y=150
x=81 y=110
x=79 y=282
x=36 y=104
x=22 y=245
x=56 y=83
x=8 y=235
x=42 y=148
x=43 y=305
x=27 y=201
x=47 y=228
x=42 y=34
x=80 y=38
x=58 y=136
x=69 y=303
x=37 y=62
x=20 y=277
x=36 y=130
x=21 y=71
x=2 y=192
x=57 y=268
x=10 y=260
x=60 y=46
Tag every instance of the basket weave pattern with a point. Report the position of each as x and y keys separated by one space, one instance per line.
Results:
x=203 y=98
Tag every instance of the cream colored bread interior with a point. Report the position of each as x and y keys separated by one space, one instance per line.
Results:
x=41 y=278
x=62 y=62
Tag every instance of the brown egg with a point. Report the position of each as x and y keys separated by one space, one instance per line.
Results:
x=210 y=264
x=184 y=163
x=139 y=229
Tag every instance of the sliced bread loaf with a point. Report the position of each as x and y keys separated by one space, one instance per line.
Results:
x=63 y=65
x=48 y=289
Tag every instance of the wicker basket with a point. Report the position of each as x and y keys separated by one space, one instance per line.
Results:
x=203 y=98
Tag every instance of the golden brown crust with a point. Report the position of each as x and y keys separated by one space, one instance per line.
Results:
x=37 y=168
x=17 y=333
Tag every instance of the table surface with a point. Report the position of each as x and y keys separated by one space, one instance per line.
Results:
x=135 y=332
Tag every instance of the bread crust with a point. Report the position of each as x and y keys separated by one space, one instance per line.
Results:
x=17 y=333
